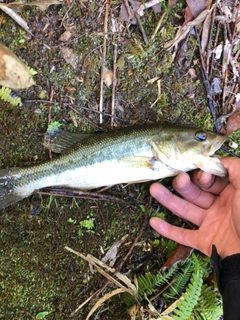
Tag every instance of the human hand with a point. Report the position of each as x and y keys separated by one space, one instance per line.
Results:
x=211 y=203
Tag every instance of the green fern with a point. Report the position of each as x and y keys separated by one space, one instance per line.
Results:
x=5 y=95
x=209 y=305
x=148 y=284
x=200 y=301
x=192 y=295
x=182 y=278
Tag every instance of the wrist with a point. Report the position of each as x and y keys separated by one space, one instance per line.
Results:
x=228 y=251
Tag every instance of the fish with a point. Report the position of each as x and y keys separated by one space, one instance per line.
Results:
x=126 y=155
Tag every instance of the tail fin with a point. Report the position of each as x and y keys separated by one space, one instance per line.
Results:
x=7 y=192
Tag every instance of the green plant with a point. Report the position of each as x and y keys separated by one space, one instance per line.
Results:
x=5 y=95
x=42 y=315
x=199 y=301
x=88 y=225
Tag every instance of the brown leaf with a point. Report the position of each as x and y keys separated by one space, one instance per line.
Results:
x=196 y=7
x=179 y=255
x=70 y=57
x=233 y=123
x=43 y=4
x=14 y=73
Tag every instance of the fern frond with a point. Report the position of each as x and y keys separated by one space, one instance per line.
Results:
x=191 y=296
x=210 y=303
x=182 y=278
x=5 y=95
x=148 y=284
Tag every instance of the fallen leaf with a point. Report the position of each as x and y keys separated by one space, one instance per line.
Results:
x=16 y=17
x=108 y=78
x=185 y=30
x=70 y=57
x=215 y=85
x=188 y=16
x=196 y=7
x=192 y=73
x=233 y=123
x=179 y=255
x=14 y=73
x=111 y=255
x=65 y=36
x=206 y=32
x=42 y=4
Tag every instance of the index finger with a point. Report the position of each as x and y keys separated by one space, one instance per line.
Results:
x=181 y=207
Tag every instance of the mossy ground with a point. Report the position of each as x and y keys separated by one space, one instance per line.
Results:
x=36 y=273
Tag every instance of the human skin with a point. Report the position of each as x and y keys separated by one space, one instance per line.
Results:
x=211 y=203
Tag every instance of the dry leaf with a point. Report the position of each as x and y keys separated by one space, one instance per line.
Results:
x=206 y=32
x=70 y=57
x=108 y=78
x=14 y=73
x=184 y=31
x=192 y=73
x=196 y=7
x=16 y=17
x=233 y=123
x=216 y=85
x=111 y=254
x=42 y=4
x=65 y=36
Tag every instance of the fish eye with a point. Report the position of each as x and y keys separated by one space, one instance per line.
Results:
x=201 y=136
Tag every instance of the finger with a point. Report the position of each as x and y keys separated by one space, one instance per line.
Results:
x=180 y=235
x=191 y=192
x=209 y=182
x=181 y=207
x=233 y=166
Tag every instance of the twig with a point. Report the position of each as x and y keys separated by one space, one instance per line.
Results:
x=114 y=82
x=80 y=13
x=141 y=28
x=68 y=193
x=103 y=59
x=138 y=21
x=49 y=117
x=207 y=85
x=158 y=25
x=208 y=66
x=72 y=106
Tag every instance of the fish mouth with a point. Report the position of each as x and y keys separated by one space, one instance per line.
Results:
x=218 y=142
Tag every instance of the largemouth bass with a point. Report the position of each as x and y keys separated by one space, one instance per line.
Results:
x=127 y=155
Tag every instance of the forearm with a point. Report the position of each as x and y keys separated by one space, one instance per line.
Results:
x=228 y=278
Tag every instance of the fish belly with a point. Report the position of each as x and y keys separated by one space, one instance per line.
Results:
x=106 y=173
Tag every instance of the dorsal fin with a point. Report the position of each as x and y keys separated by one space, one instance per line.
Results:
x=59 y=140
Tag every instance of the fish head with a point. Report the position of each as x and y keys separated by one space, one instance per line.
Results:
x=191 y=148
x=200 y=141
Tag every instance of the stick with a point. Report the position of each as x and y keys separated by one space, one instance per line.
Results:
x=103 y=59
x=114 y=82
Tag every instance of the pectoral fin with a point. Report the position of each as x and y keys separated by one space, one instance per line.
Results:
x=213 y=166
x=138 y=162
